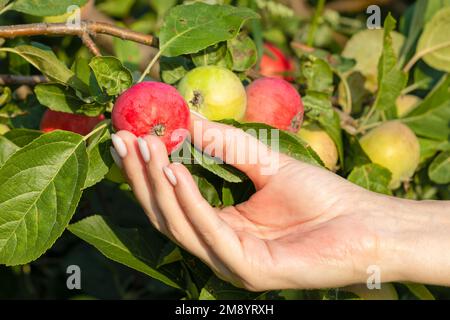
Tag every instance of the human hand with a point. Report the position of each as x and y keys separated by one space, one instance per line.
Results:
x=305 y=227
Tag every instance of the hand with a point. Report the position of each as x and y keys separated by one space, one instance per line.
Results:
x=304 y=227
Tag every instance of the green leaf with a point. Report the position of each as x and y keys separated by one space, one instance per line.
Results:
x=216 y=289
x=174 y=69
x=366 y=48
x=428 y=148
x=162 y=6
x=391 y=80
x=225 y=171
x=21 y=137
x=111 y=74
x=44 y=8
x=318 y=74
x=439 y=169
x=214 y=55
x=372 y=177
x=318 y=107
x=116 y=8
x=190 y=28
x=128 y=52
x=40 y=186
x=420 y=291
x=244 y=53
x=354 y=154
x=100 y=159
x=433 y=124
x=438 y=96
x=136 y=248
x=7 y=148
x=435 y=35
x=286 y=142
x=208 y=191
x=43 y=59
x=57 y=97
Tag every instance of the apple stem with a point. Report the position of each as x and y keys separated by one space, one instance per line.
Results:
x=159 y=130
x=90 y=134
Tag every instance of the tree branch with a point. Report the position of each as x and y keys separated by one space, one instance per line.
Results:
x=90 y=44
x=85 y=27
x=8 y=79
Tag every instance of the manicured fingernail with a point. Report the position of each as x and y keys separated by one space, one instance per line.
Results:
x=198 y=114
x=119 y=145
x=170 y=176
x=116 y=157
x=143 y=147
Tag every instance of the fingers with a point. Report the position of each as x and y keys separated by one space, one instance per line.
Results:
x=154 y=155
x=222 y=240
x=237 y=148
x=126 y=156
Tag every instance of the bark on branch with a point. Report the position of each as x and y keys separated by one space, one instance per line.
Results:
x=8 y=79
x=91 y=28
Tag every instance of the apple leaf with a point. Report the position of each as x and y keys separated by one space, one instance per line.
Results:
x=217 y=55
x=40 y=186
x=429 y=147
x=216 y=289
x=44 y=8
x=432 y=124
x=372 y=177
x=190 y=28
x=137 y=248
x=439 y=170
x=7 y=148
x=391 y=79
x=111 y=75
x=174 y=69
x=100 y=159
x=286 y=142
x=57 y=97
x=225 y=171
x=438 y=96
x=319 y=108
x=21 y=137
x=43 y=59
x=420 y=291
x=244 y=53
x=435 y=35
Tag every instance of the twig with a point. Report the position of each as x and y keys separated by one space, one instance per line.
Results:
x=315 y=23
x=8 y=79
x=419 y=55
x=85 y=27
x=90 y=44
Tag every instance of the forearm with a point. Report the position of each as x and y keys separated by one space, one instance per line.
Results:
x=417 y=240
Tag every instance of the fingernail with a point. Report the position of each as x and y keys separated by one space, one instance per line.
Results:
x=198 y=114
x=119 y=145
x=116 y=157
x=143 y=147
x=170 y=175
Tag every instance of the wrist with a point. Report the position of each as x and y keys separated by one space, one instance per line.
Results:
x=413 y=240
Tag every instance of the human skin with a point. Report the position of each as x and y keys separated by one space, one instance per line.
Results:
x=305 y=227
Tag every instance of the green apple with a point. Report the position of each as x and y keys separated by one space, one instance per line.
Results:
x=215 y=92
x=406 y=103
x=394 y=146
x=321 y=143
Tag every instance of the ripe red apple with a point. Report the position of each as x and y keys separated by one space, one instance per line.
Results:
x=274 y=102
x=78 y=123
x=275 y=64
x=153 y=108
